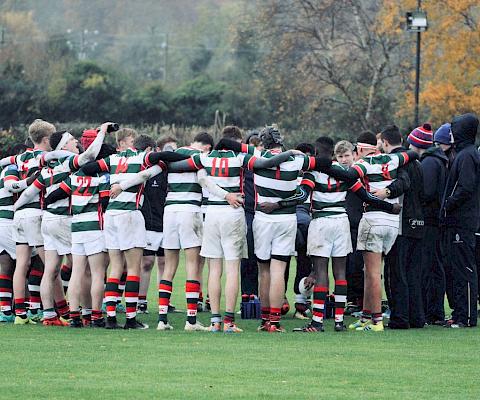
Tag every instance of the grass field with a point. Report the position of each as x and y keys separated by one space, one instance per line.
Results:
x=58 y=363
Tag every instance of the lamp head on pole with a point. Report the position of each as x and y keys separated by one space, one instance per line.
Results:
x=416 y=21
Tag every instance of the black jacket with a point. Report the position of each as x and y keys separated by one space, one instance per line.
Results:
x=412 y=212
x=249 y=191
x=460 y=207
x=354 y=207
x=434 y=167
x=154 y=202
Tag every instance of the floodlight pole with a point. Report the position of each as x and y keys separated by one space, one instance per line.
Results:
x=417 y=75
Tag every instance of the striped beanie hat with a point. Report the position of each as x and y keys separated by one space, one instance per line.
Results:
x=88 y=137
x=421 y=137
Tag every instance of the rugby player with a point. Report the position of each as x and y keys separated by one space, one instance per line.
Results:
x=56 y=221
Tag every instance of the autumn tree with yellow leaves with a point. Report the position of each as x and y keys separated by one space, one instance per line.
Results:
x=450 y=67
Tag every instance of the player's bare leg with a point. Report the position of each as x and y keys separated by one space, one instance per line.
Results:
x=76 y=289
x=86 y=298
x=264 y=293
x=232 y=272
x=277 y=290
x=24 y=253
x=215 y=271
x=7 y=266
x=373 y=284
x=48 y=286
x=147 y=266
x=97 y=271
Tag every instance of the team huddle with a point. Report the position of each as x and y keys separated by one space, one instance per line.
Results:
x=88 y=221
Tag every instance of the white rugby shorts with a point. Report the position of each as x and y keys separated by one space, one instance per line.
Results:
x=329 y=237
x=225 y=234
x=274 y=237
x=182 y=229
x=154 y=240
x=7 y=243
x=57 y=234
x=376 y=234
x=28 y=230
x=91 y=247
x=124 y=230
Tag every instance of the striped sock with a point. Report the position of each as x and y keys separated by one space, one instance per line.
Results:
x=275 y=314
x=49 y=313
x=111 y=294
x=21 y=307
x=6 y=290
x=142 y=299
x=192 y=291
x=229 y=318
x=164 y=294
x=87 y=315
x=265 y=315
x=216 y=318
x=97 y=315
x=131 y=295
x=319 y=298
x=121 y=287
x=34 y=279
x=366 y=316
x=65 y=274
x=377 y=317
x=340 y=299
x=75 y=314
x=63 y=309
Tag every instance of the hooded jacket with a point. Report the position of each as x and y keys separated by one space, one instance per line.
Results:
x=460 y=206
x=434 y=167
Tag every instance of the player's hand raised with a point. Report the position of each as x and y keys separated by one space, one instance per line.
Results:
x=107 y=127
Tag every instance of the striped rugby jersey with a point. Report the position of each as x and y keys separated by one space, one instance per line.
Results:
x=278 y=183
x=50 y=178
x=21 y=166
x=128 y=162
x=328 y=195
x=377 y=172
x=299 y=182
x=7 y=200
x=85 y=192
x=205 y=196
x=225 y=169
x=184 y=191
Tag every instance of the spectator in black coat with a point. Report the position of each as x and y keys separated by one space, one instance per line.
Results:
x=460 y=215
x=435 y=168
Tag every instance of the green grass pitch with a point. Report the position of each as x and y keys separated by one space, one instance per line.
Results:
x=62 y=363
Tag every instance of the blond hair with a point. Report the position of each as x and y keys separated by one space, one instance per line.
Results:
x=40 y=129
x=123 y=133
x=343 y=146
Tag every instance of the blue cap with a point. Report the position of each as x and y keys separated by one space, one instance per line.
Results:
x=443 y=134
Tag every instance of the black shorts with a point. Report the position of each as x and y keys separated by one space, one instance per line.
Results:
x=158 y=253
